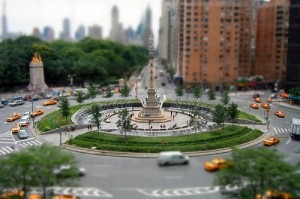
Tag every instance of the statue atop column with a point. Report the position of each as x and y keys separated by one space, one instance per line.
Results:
x=37 y=79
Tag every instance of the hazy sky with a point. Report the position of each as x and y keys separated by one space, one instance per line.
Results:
x=23 y=15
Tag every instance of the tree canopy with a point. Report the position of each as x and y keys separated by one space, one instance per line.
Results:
x=95 y=61
x=257 y=170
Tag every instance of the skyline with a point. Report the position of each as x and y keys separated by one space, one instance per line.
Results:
x=23 y=15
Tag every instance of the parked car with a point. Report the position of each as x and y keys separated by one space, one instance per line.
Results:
x=273 y=95
x=23 y=134
x=13 y=117
x=16 y=103
x=271 y=141
x=16 y=128
x=254 y=106
x=37 y=112
x=172 y=158
x=50 y=102
x=256 y=95
x=279 y=114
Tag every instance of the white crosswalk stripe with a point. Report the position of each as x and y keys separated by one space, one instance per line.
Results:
x=5 y=150
x=6 y=138
x=29 y=143
x=280 y=131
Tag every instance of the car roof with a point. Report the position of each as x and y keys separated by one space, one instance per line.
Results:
x=170 y=153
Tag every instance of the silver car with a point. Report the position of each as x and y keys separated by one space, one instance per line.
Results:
x=23 y=134
x=172 y=158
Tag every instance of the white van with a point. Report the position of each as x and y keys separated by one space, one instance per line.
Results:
x=172 y=158
x=24 y=121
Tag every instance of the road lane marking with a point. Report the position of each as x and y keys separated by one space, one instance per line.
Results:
x=288 y=141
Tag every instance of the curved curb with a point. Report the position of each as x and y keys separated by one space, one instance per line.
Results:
x=155 y=155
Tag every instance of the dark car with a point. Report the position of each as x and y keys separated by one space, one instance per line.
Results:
x=68 y=170
x=256 y=95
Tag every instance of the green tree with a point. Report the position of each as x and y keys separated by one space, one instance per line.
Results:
x=179 y=92
x=80 y=96
x=211 y=94
x=108 y=93
x=64 y=107
x=197 y=92
x=96 y=113
x=219 y=114
x=257 y=170
x=225 y=98
x=295 y=91
x=125 y=91
x=232 y=111
x=92 y=91
x=124 y=122
x=34 y=166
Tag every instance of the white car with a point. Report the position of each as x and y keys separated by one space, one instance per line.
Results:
x=62 y=170
x=172 y=158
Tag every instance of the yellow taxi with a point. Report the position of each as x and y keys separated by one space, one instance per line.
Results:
x=50 y=102
x=215 y=164
x=279 y=114
x=65 y=196
x=271 y=141
x=254 y=106
x=272 y=194
x=266 y=105
x=258 y=100
x=37 y=112
x=13 y=117
x=16 y=128
x=12 y=194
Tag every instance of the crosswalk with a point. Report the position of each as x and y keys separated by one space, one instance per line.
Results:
x=6 y=138
x=277 y=131
x=6 y=150
x=28 y=143
x=15 y=146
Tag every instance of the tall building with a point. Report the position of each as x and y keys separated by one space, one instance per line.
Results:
x=66 y=32
x=271 y=40
x=4 y=22
x=164 y=31
x=147 y=27
x=80 y=33
x=116 y=32
x=214 y=41
x=95 y=32
x=293 y=47
x=48 y=33
x=36 y=32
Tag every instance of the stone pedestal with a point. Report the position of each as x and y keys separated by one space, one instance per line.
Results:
x=37 y=79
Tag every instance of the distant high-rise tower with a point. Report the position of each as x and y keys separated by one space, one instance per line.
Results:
x=147 y=27
x=80 y=33
x=48 y=33
x=116 y=28
x=4 y=22
x=66 y=33
x=293 y=47
x=95 y=32
x=36 y=32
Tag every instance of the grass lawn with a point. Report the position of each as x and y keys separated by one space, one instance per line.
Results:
x=230 y=136
x=244 y=115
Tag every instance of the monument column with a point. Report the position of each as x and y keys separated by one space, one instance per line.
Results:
x=37 y=79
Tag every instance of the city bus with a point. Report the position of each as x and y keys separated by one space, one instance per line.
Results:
x=295 y=128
